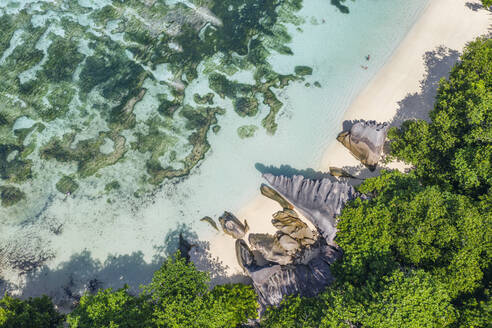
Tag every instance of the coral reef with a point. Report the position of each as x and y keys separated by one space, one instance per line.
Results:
x=74 y=75
x=246 y=131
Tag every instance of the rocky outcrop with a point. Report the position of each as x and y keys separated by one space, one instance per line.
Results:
x=320 y=201
x=365 y=140
x=295 y=260
x=288 y=223
x=232 y=226
x=274 y=281
x=270 y=248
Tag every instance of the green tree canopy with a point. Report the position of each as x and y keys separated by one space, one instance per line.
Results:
x=405 y=223
x=454 y=150
x=180 y=298
x=418 y=252
x=36 y=312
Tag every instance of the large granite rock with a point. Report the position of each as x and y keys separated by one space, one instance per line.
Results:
x=232 y=226
x=365 y=140
x=270 y=248
x=273 y=282
x=288 y=222
x=297 y=259
x=320 y=201
x=273 y=195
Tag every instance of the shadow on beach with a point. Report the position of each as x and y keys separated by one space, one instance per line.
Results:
x=416 y=106
x=475 y=6
x=289 y=171
x=83 y=273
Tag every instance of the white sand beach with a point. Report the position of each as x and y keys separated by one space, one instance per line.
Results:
x=403 y=89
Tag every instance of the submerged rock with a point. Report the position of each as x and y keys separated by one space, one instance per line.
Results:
x=210 y=221
x=232 y=226
x=320 y=201
x=365 y=140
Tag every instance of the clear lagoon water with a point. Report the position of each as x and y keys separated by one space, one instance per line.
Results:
x=334 y=44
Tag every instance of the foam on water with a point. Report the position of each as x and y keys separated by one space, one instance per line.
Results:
x=228 y=176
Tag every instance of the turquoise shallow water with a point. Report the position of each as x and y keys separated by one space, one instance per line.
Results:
x=334 y=44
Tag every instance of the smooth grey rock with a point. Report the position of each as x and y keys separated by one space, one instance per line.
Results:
x=320 y=201
x=210 y=221
x=273 y=195
x=365 y=140
x=270 y=248
x=232 y=226
x=289 y=223
x=244 y=256
x=273 y=282
x=288 y=243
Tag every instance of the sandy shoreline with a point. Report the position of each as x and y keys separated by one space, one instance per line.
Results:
x=404 y=88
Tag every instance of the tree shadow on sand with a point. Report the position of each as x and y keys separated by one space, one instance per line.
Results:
x=417 y=105
x=475 y=6
x=83 y=273
x=199 y=255
x=289 y=171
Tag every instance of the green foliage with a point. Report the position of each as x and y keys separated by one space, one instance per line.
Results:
x=399 y=299
x=111 y=309
x=293 y=312
x=487 y=3
x=234 y=304
x=455 y=149
x=414 y=226
x=412 y=299
x=180 y=298
x=36 y=312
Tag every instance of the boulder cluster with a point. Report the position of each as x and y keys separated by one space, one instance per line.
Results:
x=296 y=259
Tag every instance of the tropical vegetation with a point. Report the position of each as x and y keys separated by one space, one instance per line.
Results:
x=417 y=251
